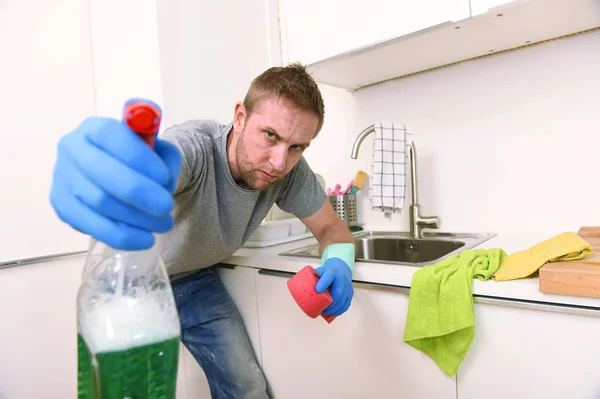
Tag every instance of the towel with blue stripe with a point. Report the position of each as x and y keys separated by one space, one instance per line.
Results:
x=390 y=158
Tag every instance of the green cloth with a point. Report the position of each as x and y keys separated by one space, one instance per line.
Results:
x=441 y=317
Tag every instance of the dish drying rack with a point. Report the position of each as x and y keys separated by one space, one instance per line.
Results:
x=275 y=232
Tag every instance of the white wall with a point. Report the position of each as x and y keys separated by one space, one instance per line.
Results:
x=210 y=52
x=125 y=50
x=507 y=144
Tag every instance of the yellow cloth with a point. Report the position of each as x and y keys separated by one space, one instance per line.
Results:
x=565 y=246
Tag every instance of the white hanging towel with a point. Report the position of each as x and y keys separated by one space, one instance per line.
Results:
x=390 y=158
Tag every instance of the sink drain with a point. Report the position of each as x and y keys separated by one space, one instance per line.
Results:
x=412 y=247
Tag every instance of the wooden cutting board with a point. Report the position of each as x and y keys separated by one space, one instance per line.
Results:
x=577 y=277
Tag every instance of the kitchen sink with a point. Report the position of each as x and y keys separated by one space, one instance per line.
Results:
x=389 y=249
x=401 y=248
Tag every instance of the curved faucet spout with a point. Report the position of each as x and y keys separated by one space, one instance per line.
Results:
x=360 y=139
x=417 y=221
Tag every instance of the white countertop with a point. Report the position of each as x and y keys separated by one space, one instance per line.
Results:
x=399 y=275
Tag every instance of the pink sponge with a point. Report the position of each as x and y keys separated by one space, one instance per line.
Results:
x=302 y=287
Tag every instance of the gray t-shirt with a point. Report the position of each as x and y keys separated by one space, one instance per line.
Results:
x=214 y=216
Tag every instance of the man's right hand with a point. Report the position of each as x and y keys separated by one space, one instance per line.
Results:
x=108 y=183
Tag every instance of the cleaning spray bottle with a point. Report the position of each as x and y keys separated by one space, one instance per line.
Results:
x=128 y=327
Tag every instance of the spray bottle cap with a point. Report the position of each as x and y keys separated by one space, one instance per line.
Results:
x=143 y=117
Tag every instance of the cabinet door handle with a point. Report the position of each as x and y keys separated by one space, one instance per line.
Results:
x=383 y=287
x=38 y=259
x=537 y=305
x=225 y=266
x=276 y=273
x=373 y=286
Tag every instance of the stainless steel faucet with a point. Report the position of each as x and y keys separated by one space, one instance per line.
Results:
x=417 y=221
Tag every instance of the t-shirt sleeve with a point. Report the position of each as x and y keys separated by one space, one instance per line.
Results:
x=191 y=148
x=302 y=194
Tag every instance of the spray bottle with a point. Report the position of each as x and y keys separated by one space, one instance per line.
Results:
x=128 y=327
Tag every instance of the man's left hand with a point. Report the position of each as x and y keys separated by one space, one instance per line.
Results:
x=336 y=273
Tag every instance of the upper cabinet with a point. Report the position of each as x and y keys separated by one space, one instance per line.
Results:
x=316 y=29
x=351 y=46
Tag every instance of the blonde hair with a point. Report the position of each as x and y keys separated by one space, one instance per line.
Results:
x=291 y=83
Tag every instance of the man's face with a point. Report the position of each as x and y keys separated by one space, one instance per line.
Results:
x=271 y=142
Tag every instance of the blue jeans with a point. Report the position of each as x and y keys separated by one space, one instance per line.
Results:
x=213 y=331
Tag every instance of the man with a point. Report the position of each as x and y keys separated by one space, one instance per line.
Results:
x=219 y=181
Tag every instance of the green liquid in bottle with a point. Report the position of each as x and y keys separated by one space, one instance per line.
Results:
x=144 y=372
x=86 y=383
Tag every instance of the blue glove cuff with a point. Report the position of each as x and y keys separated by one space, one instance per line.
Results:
x=344 y=251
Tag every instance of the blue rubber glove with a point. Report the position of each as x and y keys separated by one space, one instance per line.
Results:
x=109 y=184
x=336 y=274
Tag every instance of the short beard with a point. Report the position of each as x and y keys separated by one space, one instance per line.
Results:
x=247 y=178
x=247 y=173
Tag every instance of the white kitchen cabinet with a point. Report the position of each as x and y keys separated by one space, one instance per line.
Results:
x=314 y=30
x=531 y=21
x=354 y=55
x=359 y=355
x=240 y=285
x=533 y=354
x=38 y=343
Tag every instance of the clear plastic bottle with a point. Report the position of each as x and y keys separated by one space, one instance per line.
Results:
x=128 y=329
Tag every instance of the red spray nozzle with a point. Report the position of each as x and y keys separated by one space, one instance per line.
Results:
x=144 y=119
